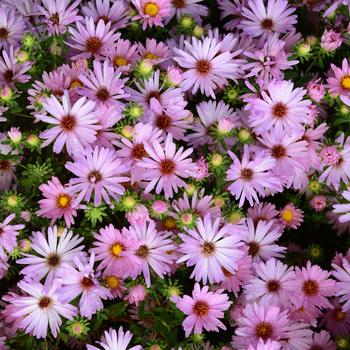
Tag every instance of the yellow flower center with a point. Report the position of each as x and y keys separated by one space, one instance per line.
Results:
x=151 y=9
x=151 y=56
x=112 y=282
x=287 y=215
x=63 y=201
x=345 y=82
x=120 y=61
x=117 y=249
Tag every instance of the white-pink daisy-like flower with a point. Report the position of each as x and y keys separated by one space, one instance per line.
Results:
x=260 y=19
x=112 y=340
x=82 y=281
x=52 y=252
x=272 y=284
x=261 y=238
x=291 y=216
x=206 y=68
x=210 y=249
x=99 y=173
x=153 y=51
x=280 y=105
x=338 y=83
x=74 y=124
x=116 y=251
x=251 y=177
x=8 y=235
x=123 y=55
x=58 y=202
x=154 y=251
x=12 y=27
x=41 y=308
x=203 y=309
x=90 y=40
x=152 y=12
x=342 y=274
x=165 y=167
x=103 y=85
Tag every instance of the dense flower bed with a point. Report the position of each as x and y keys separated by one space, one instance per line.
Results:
x=174 y=174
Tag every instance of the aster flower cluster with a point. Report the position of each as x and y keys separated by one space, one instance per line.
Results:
x=174 y=174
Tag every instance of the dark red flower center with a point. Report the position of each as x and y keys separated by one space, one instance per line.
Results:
x=102 y=94
x=8 y=75
x=339 y=314
x=203 y=67
x=139 y=151
x=310 y=288
x=44 y=302
x=93 y=44
x=263 y=330
x=104 y=19
x=53 y=260
x=167 y=167
x=208 y=248
x=279 y=110
x=247 y=174
x=278 y=151
x=179 y=4
x=273 y=286
x=55 y=19
x=94 y=176
x=200 y=308
x=68 y=122
x=143 y=251
x=253 y=248
x=87 y=282
x=155 y=94
x=4 y=33
x=267 y=23
x=163 y=121
x=5 y=165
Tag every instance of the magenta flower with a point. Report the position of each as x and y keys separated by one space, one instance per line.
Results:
x=116 y=251
x=282 y=107
x=336 y=320
x=98 y=172
x=12 y=28
x=342 y=274
x=153 y=51
x=153 y=250
x=322 y=340
x=331 y=40
x=261 y=20
x=273 y=284
x=166 y=167
x=103 y=85
x=203 y=310
x=151 y=12
x=90 y=40
x=206 y=67
x=52 y=252
x=123 y=54
x=58 y=202
x=59 y=14
x=8 y=235
x=74 y=125
x=291 y=216
x=251 y=177
x=136 y=294
x=112 y=340
x=82 y=281
x=41 y=308
x=261 y=240
x=338 y=82
x=211 y=250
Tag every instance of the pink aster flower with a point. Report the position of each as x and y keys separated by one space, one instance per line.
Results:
x=138 y=216
x=260 y=19
x=273 y=284
x=12 y=28
x=319 y=203
x=12 y=71
x=262 y=211
x=166 y=167
x=291 y=216
x=82 y=281
x=331 y=40
x=316 y=90
x=206 y=67
x=116 y=12
x=260 y=240
x=103 y=85
x=203 y=309
x=123 y=55
x=90 y=40
x=338 y=82
x=343 y=208
x=153 y=51
x=210 y=249
x=342 y=274
x=98 y=172
x=268 y=345
x=282 y=106
x=59 y=14
x=313 y=286
x=74 y=125
x=322 y=340
x=336 y=159
x=112 y=340
x=8 y=235
x=153 y=250
x=188 y=7
x=136 y=294
x=52 y=252
x=251 y=177
x=58 y=202
x=151 y=12
x=116 y=251
x=336 y=320
x=41 y=308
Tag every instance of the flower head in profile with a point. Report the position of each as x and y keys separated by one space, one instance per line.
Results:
x=152 y=12
x=112 y=340
x=206 y=67
x=342 y=274
x=8 y=235
x=40 y=308
x=165 y=167
x=211 y=249
x=203 y=309
x=50 y=253
x=98 y=172
x=74 y=124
